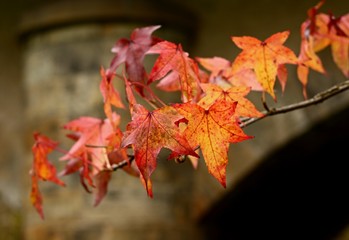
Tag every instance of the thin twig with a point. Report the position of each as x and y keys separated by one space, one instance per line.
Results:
x=318 y=98
x=123 y=163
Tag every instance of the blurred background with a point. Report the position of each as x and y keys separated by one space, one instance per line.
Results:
x=289 y=182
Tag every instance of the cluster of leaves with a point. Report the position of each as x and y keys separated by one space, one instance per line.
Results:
x=209 y=116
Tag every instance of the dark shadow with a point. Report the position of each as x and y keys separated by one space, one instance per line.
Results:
x=298 y=192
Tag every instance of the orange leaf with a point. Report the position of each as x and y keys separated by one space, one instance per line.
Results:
x=312 y=32
x=35 y=196
x=263 y=57
x=42 y=169
x=308 y=59
x=110 y=96
x=148 y=132
x=339 y=36
x=282 y=74
x=214 y=93
x=319 y=31
x=213 y=129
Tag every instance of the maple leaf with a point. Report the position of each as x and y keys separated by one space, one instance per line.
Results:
x=175 y=69
x=217 y=66
x=94 y=137
x=212 y=129
x=319 y=31
x=97 y=145
x=308 y=59
x=339 y=37
x=312 y=32
x=102 y=179
x=42 y=169
x=110 y=95
x=148 y=133
x=214 y=93
x=221 y=74
x=79 y=164
x=132 y=52
x=264 y=57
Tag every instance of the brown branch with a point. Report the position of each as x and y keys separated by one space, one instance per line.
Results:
x=123 y=163
x=318 y=98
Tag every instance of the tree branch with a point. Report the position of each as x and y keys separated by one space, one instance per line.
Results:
x=318 y=98
x=123 y=163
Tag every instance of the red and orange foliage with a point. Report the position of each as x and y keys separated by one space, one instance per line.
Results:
x=206 y=119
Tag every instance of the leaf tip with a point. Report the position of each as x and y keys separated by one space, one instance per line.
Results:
x=224 y=183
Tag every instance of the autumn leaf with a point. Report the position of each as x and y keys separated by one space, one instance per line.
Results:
x=175 y=69
x=282 y=74
x=339 y=37
x=96 y=141
x=148 y=133
x=93 y=142
x=214 y=93
x=222 y=75
x=42 y=169
x=81 y=165
x=111 y=97
x=264 y=57
x=319 y=31
x=96 y=150
x=132 y=52
x=312 y=40
x=212 y=129
x=218 y=67
x=308 y=59
x=245 y=78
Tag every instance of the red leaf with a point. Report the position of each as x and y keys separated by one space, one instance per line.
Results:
x=176 y=70
x=102 y=179
x=149 y=132
x=131 y=52
x=93 y=143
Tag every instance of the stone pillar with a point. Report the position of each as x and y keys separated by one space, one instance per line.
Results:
x=64 y=46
